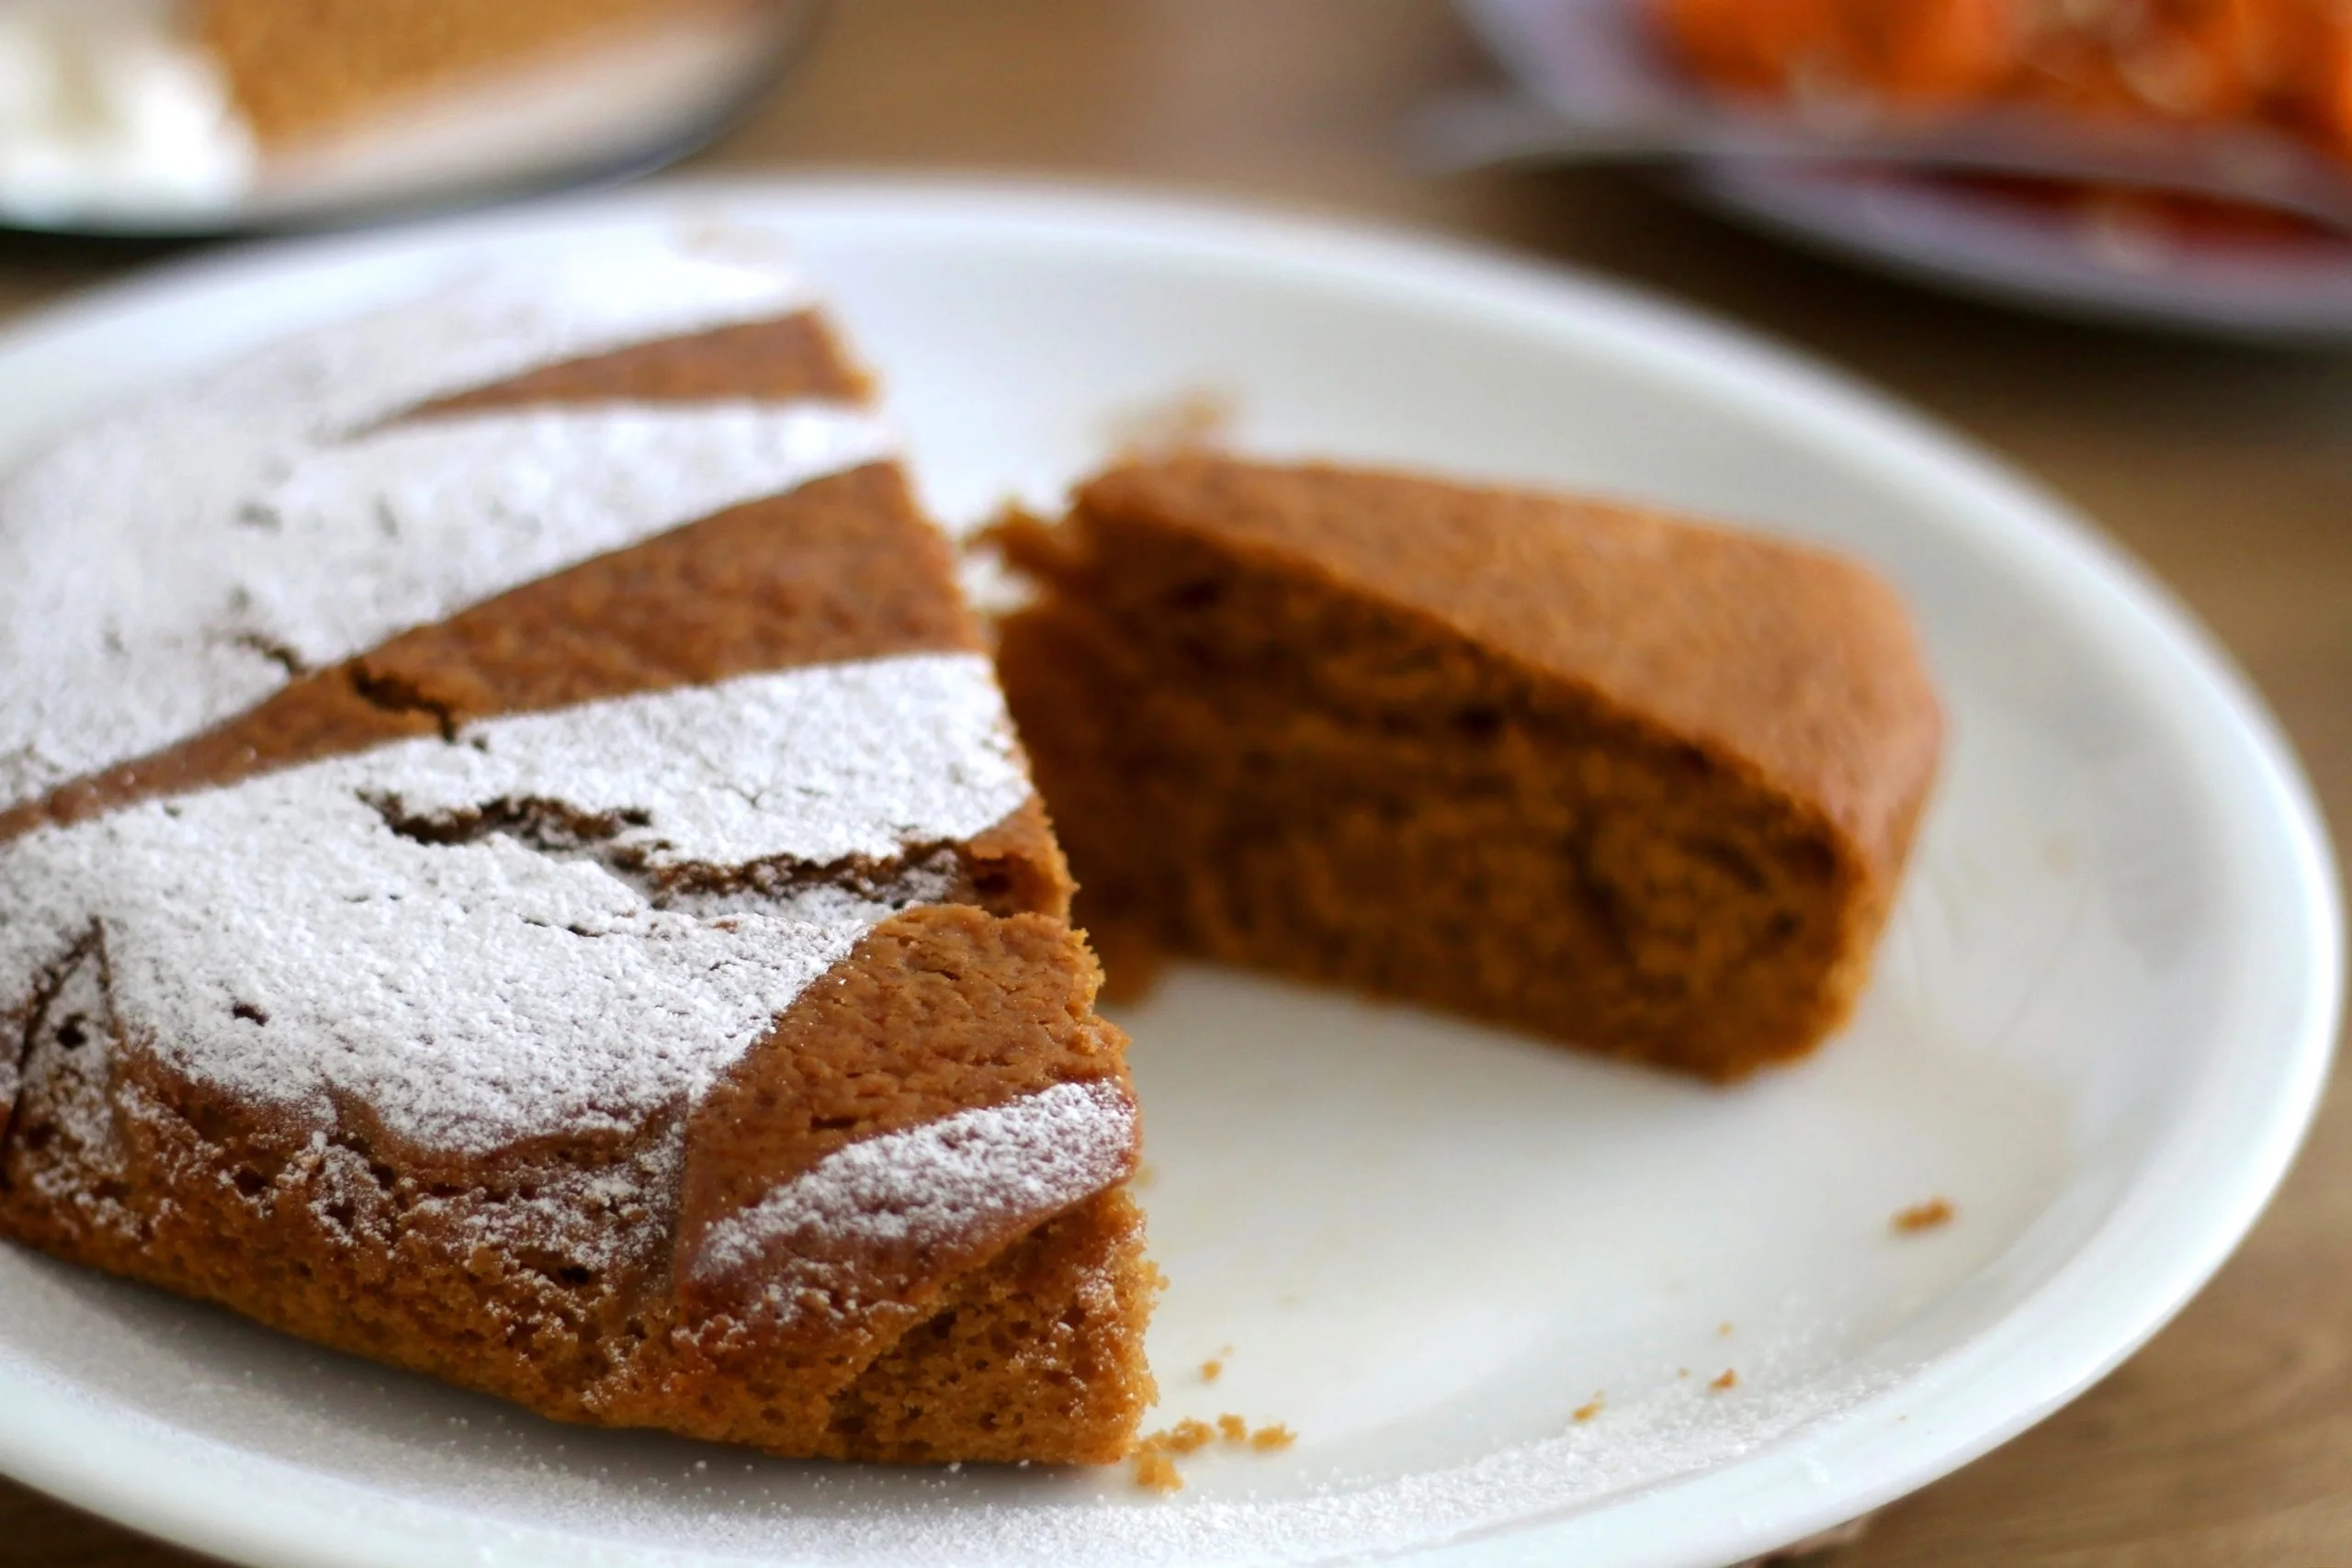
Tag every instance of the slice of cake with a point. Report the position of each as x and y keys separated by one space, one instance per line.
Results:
x=1638 y=784
x=517 y=865
x=298 y=70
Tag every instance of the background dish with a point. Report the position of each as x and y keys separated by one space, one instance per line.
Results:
x=2099 y=1030
x=2012 y=247
x=647 y=98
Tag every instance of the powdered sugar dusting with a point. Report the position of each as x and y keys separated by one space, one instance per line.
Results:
x=207 y=534
x=407 y=524
x=280 y=938
x=596 y=1219
x=488 y=320
x=68 y=1070
x=819 y=763
x=924 y=1186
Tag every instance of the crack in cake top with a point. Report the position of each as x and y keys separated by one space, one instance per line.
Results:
x=292 y=939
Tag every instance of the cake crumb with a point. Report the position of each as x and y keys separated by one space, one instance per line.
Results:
x=1194 y=419
x=1156 y=1472
x=1728 y=1380
x=1155 y=1465
x=1210 y=1370
x=1924 y=1216
x=1587 y=1410
x=1189 y=1434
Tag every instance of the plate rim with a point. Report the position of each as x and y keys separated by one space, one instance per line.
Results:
x=72 y=1452
x=1773 y=202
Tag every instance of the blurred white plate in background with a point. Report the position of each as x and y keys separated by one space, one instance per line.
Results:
x=2102 y=1021
x=619 y=103
x=2100 y=261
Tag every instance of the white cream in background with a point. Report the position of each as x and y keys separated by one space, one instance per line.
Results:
x=107 y=109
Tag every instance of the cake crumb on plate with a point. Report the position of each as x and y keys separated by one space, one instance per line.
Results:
x=1930 y=1215
x=1154 y=1460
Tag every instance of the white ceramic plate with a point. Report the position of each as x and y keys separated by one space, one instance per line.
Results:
x=1596 y=56
x=2103 y=1015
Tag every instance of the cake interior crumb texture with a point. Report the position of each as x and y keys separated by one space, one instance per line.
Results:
x=1633 y=782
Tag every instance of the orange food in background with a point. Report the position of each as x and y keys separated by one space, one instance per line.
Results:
x=2282 y=62
x=1909 y=51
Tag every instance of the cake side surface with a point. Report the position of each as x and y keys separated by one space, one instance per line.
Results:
x=1640 y=784
x=389 y=1008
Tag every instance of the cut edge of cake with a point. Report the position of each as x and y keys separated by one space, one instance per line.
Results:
x=1612 y=776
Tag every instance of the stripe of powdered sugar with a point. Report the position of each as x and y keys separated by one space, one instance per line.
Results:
x=165 y=566
x=312 y=936
x=436 y=517
x=843 y=567
x=960 y=1181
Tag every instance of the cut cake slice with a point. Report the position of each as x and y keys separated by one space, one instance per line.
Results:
x=297 y=72
x=517 y=866
x=1636 y=783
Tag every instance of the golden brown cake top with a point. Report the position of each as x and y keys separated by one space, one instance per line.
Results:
x=1789 y=660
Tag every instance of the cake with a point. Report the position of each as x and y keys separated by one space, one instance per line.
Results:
x=517 y=866
x=300 y=71
x=1614 y=778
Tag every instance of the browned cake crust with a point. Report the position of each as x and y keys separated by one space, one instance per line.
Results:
x=1640 y=784
x=1019 y=1340
x=301 y=69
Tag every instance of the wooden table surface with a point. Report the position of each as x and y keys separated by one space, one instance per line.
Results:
x=2228 y=1440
